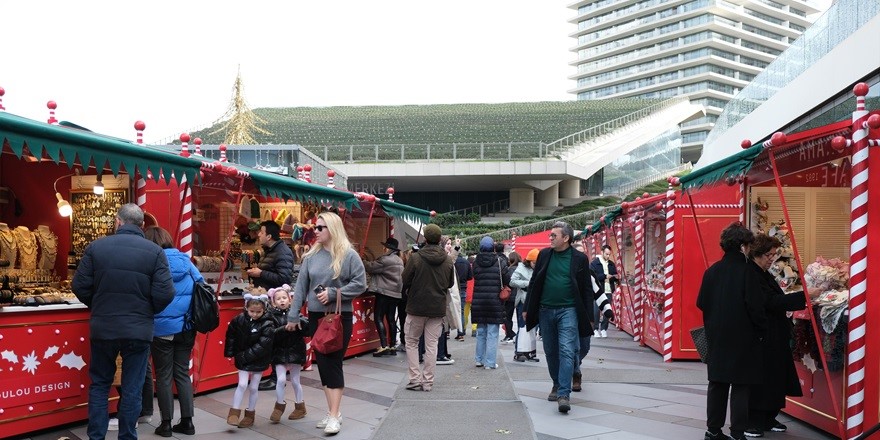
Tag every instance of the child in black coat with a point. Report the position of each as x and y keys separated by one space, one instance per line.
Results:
x=249 y=340
x=288 y=355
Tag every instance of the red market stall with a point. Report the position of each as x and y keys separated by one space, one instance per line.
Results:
x=814 y=191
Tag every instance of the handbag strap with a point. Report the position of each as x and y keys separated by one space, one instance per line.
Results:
x=338 y=303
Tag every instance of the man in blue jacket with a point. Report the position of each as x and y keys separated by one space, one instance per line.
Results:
x=124 y=280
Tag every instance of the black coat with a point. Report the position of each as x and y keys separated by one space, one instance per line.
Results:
x=289 y=347
x=732 y=301
x=599 y=272
x=124 y=280
x=276 y=266
x=249 y=341
x=584 y=297
x=780 y=375
x=486 y=306
x=465 y=273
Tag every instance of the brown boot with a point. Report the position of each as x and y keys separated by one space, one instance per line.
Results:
x=277 y=412
x=299 y=411
x=248 y=420
x=232 y=418
x=576 y=382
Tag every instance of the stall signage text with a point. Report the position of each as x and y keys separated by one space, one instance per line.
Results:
x=40 y=388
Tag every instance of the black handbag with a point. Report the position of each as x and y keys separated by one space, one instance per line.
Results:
x=698 y=334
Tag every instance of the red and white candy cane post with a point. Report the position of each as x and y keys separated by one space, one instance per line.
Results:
x=667 y=270
x=52 y=105
x=330 y=175
x=2 y=92
x=390 y=192
x=639 y=274
x=140 y=186
x=858 y=264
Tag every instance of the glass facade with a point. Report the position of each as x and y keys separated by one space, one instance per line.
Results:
x=657 y=156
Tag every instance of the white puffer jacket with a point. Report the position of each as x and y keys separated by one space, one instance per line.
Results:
x=520 y=280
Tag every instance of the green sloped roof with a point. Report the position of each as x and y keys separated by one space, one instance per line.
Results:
x=73 y=145
x=395 y=209
x=739 y=163
x=440 y=123
x=288 y=188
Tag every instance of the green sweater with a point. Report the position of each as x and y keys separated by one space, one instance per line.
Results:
x=557 y=285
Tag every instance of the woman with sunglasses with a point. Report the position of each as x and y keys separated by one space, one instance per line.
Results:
x=329 y=269
x=780 y=376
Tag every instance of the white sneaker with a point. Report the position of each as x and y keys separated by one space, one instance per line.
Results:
x=145 y=419
x=333 y=425
x=326 y=420
x=113 y=424
x=604 y=334
x=596 y=333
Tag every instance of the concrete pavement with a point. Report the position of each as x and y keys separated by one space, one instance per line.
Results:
x=629 y=393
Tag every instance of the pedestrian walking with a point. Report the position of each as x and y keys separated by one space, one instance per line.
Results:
x=288 y=355
x=487 y=309
x=249 y=340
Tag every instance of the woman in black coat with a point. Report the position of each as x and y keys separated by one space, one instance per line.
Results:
x=780 y=376
x=487 y=309
x=732 y=303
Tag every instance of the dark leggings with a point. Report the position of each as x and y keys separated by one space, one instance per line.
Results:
x=401 y=317
x=384 y=309
x=330 y=365
x=716 y=406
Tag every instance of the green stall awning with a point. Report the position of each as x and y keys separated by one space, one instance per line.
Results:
x=289 y=188
x=739 y=163
x=399 y=210
x=74 y=146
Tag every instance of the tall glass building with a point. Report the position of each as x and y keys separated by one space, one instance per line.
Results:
x=705 y=49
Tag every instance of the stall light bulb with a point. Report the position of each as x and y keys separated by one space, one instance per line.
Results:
x=98 y=189
x=64 y=208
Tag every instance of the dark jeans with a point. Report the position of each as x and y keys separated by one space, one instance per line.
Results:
x=401 y=317
x=102 y=368
x=384 y=309
x=146 y=392
x=463 y=321
x=442 y=347
x=509 y=308
x=716 y=406
x=171 y=359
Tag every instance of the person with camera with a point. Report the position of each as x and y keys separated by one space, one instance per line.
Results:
x=331 y=268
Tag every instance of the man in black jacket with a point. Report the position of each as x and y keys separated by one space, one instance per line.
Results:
x=465 y=273
x=561 y=300
x=275 y=269
x=606 y=275
x=124 y=280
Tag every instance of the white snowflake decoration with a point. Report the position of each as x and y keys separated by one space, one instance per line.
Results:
x=71 y=360
x=10 y=356
x=50 y=352
x=30 y=363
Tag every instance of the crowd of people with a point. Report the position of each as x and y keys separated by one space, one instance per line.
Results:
x=140 y=308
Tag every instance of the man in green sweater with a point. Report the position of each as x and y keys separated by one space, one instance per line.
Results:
x=560 y=300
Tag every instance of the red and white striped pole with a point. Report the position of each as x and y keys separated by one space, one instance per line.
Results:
x=513 y=243
x=140 y=186
x=198 y=143
x=668 y=270
x=186 y=224
x=2 y=92
x=223 y=158
x=184 y=144
x=52 y=105
x=858 y=279
x=639 y=274
x=299 y=173
x=307 y=173
x=390 y=192
x=617 y=300
x=330 y=175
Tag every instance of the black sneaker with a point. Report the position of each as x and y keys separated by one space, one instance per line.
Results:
x=266 y=385
x=753 y=432
x=778 y=427
x=718 y=436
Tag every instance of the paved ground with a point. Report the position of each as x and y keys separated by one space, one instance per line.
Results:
x=629 y=393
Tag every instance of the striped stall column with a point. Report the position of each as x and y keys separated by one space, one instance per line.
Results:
x=617 y=301
x=667 y=270
x=855 y=381
x=2 y=92
x=742 y=199
x=223 y=158
x=330 y=184
x=390 y=192
x=140 y=186
x=513 y=243
x=638 y=274
x=52 y=105
x=186 y=221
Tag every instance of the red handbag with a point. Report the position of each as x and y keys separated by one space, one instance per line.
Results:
x=504 y=294
x=328 y=336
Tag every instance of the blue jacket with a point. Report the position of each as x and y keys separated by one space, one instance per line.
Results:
x=171 y=320
x=124 y=281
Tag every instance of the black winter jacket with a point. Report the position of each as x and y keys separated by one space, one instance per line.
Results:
x=276 y=266
x=486 y=307
x=584 y=297
x=249 y=341
x=289 y=347
x=601 y=276
x=465 y=273
x=124 y=280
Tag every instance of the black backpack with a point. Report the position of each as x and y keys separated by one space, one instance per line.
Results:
x=204 y=312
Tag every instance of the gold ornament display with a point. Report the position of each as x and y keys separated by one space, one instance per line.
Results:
x=8 y=248
x=48 y=242
x=27 y=248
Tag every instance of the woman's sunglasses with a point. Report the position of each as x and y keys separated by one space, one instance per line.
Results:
x=320 y=228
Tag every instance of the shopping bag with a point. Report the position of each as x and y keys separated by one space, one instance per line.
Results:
x=525 y=340
x=698 y=334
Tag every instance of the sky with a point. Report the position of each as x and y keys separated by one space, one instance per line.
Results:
x=171 y=64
